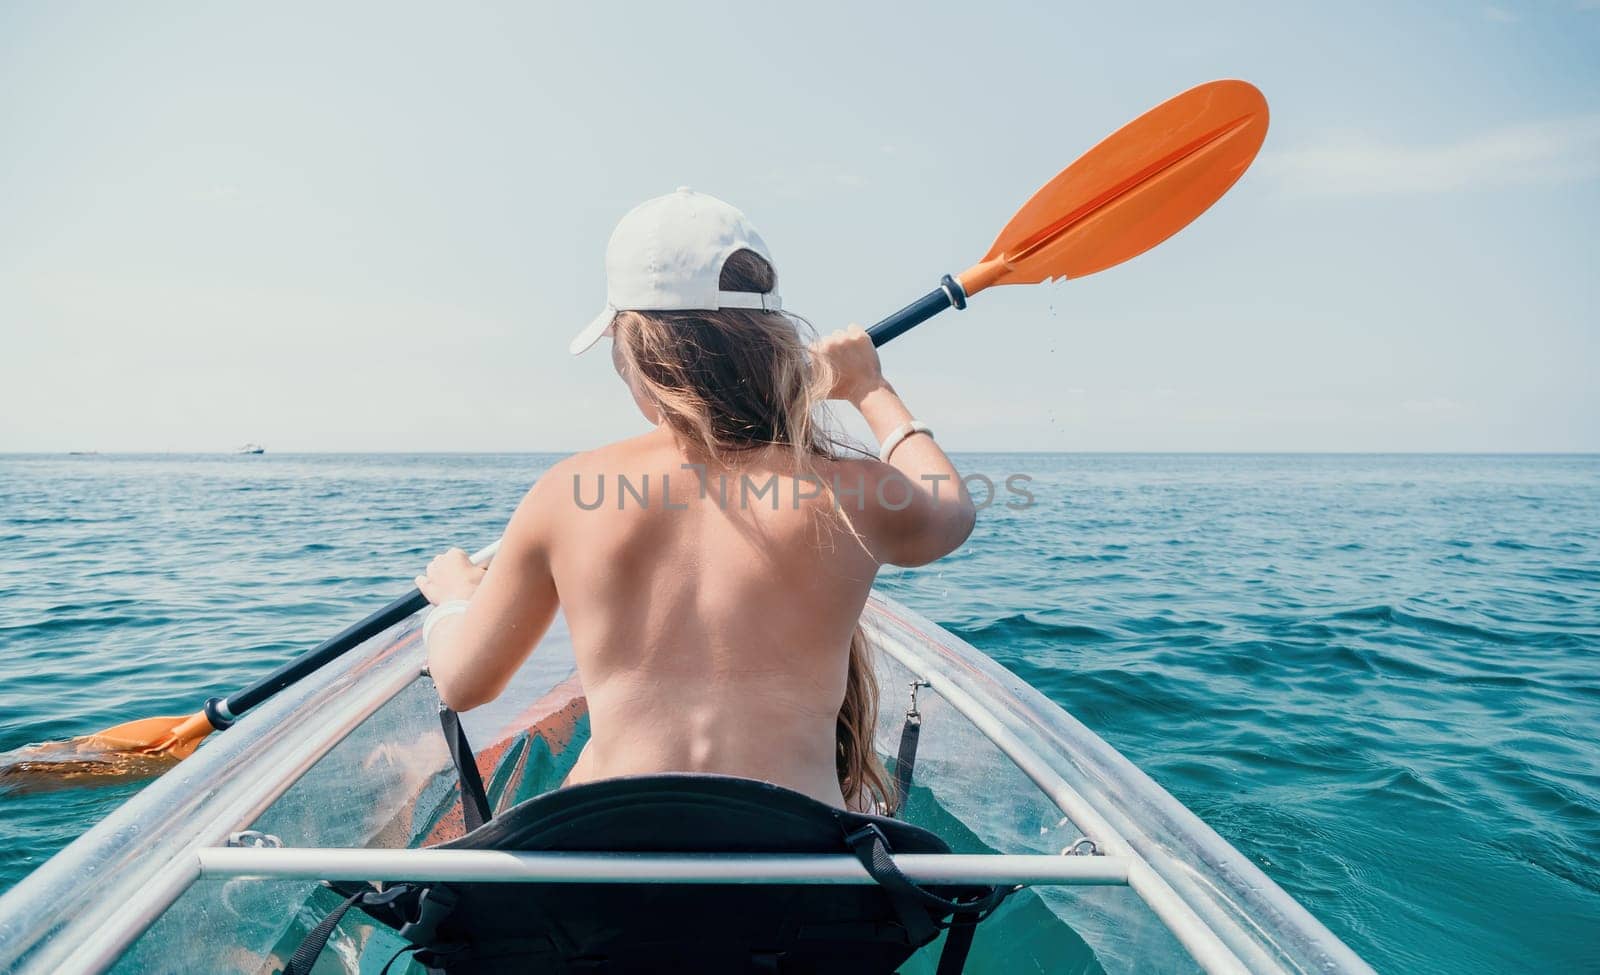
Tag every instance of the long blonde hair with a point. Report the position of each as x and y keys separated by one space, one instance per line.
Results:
x=738 y=380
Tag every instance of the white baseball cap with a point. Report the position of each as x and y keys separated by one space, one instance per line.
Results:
x=667 y=255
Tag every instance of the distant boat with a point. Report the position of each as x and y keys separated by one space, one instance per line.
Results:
x=251 y=448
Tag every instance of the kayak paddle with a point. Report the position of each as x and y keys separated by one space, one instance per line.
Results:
x=1144 y=183
x=146 y=747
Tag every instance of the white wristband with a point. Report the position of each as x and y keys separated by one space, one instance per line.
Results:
x=454 y=607
x=901 y=432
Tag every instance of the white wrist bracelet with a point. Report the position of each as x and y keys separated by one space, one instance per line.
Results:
x=454 y=607
x=901 y=432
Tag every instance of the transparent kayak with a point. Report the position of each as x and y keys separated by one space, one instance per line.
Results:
x=350 y=763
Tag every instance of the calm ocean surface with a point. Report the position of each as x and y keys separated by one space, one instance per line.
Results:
x=1378 y=676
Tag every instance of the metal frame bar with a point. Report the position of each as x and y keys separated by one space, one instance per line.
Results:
x=323 y=863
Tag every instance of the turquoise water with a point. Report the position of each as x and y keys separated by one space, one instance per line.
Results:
x=1377 y=676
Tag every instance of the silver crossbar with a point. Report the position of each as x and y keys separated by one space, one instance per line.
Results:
x=313 y=863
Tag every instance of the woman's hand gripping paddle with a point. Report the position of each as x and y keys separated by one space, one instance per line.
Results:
x=1143 y=184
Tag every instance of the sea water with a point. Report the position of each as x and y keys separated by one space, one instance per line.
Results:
x=1377 y=676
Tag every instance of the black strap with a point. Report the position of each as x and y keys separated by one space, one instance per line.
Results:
x=871 y=847
x=305 y=956
x=957 y=945
x=474 y=797
x=408 y=949
x=906 y=761
x=911 y=901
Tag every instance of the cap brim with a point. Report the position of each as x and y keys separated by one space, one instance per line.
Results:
x=591 y=332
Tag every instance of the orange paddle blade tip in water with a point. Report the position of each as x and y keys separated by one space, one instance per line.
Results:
x=1144 y=183
x=133 y=751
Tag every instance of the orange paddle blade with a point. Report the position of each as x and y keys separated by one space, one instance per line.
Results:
x=133 y=751
x=1141 y=185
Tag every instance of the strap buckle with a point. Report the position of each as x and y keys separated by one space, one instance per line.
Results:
x=865 y=834
x=433 y=906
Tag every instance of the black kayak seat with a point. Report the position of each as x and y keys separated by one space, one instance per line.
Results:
x=490 y=928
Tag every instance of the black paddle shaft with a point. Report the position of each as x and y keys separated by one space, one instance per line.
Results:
x=223 y=712
x=948 y=294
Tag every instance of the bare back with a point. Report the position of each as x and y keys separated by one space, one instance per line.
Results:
x=711 y=614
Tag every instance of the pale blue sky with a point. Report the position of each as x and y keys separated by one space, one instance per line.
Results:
x=374 y=227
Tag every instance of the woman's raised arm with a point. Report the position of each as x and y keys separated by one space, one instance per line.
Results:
x=912 y=506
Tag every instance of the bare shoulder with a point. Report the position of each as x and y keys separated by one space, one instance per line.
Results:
x=859 y=488
x=570 y=480
x=906 y=522
x=880 y=485
x=622 y=455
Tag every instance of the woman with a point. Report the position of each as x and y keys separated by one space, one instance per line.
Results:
x=713 y=570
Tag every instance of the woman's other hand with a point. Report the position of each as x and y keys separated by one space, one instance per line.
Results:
x=850 y=361
x=450 y=576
